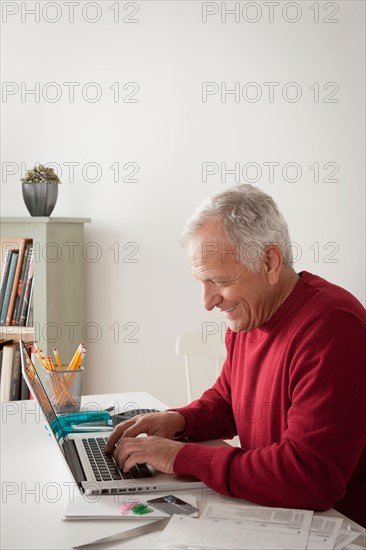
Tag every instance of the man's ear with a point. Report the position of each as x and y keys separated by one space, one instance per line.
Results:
x=273 y=262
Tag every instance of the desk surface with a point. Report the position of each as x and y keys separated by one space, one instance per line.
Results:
x=37 y=484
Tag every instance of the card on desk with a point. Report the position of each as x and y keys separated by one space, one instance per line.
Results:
x=117 y=507
x=173 y=505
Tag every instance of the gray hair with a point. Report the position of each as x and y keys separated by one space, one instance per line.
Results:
x=249 y=219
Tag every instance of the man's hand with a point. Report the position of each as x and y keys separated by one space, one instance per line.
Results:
x=157 y=451
x=163 y=424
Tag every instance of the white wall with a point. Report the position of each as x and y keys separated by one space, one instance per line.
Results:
x=169 y=52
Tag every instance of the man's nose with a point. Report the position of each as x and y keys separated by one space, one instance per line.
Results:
x=210 y=296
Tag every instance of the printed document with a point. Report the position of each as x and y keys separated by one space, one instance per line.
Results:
x=323 y=533
x=345 y=538
x=241 y=527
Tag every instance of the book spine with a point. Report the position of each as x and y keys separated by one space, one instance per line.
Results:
x=15 y=376
x=24 y=390
x=21 y=299
x=9 y=285
x=4 y=277
x=29 y=320
x=20 y=285
x=28 y=286
x=14 y=289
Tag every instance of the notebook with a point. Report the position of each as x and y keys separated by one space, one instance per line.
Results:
x=98 y=475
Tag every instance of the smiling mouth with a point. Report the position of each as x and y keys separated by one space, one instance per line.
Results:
x=229 y=310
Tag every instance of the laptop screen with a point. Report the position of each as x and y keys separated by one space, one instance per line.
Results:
x=38 y=391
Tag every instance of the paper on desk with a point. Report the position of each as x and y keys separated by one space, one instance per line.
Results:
x=241 y=527
x=323 y=532
x=345 y=537
x=109 y=507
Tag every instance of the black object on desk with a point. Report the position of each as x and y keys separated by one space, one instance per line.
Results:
x=127 y=415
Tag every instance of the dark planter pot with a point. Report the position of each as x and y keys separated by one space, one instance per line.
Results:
x=40 y=198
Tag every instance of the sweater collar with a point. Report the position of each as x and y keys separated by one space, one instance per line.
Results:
x=291 y=300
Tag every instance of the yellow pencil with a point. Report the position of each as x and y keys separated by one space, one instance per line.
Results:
x=49 y=363
x=81 y=357
x=75 y=359
x=43 y=360
x=57 y=357
x=40 y=354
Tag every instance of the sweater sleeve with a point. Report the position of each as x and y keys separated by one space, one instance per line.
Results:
x=311 y=464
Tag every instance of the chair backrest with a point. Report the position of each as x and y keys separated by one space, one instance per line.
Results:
x=191 y=344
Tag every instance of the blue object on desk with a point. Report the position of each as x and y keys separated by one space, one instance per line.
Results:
x=63 y=424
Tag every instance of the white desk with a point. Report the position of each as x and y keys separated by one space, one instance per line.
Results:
x=37 y=484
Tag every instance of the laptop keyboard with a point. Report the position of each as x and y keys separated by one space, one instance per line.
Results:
x=104 y=466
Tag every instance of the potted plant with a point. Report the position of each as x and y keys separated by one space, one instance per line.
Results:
x=40 y=190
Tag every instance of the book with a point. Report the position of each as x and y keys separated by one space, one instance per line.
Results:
x=9 y=286
x=27 y=290
x=30 y=320
x=21 y=297
x=24 y=390
x=2 y=344
x=14 y=392
x=17 y=389
x=4 y=276
x=16 y=309
x=6 y=370
x=19 y=244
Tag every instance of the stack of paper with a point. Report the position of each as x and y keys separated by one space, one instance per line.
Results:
x=229 y=526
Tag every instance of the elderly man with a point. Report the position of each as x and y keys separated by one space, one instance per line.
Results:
x=292 y=386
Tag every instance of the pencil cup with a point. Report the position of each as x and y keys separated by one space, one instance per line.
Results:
x=64 y=389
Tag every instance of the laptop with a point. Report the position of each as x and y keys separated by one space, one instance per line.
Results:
x=95 y=472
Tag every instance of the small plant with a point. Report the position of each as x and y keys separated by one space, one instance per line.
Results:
x=41 y=173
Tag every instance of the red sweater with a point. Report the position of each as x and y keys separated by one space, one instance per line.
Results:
x=294 y=390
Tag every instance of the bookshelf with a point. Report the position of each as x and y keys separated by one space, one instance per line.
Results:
x=59 y=282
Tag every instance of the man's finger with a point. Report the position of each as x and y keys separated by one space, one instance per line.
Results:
x=117 y=434
x=126 y=448
x=135 y=429
x=135 y=458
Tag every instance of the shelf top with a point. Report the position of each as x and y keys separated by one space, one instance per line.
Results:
x=45 y=219
x=15 y=331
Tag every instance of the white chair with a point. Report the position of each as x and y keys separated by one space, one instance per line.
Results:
x=191 y=344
